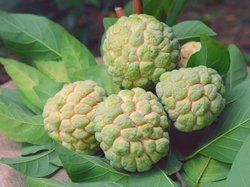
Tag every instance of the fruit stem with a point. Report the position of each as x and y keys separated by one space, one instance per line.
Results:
x=137 y=7
x=180 y=179
x=119 y=12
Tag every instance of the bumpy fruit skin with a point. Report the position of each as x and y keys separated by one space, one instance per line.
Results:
x=132 y=129
x=67 y=116
x=192 y=97
x=138 y=49
x=187 y=50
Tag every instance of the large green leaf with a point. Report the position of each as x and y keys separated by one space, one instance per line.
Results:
x=40 y=182
x=223 y=141
x=47 y=90
x=238 y=67
x=212 y=54
x=76 y=56
x=191 y=30
x=31 y=36
x=26 y=78
x=21 y=126
x=202 y=169
x=99 y=74
x=36 y=165
x=240 y=172
x=85 y=168
x=30 y=149
x=56 y=70
x=156 y=177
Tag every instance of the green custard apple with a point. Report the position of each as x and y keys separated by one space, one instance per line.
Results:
x=67 y=116
x=138 y=49
x=192 y=97
x=132 y=128
x=187 y=50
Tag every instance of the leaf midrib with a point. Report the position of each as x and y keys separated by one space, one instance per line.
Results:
x=29 y=35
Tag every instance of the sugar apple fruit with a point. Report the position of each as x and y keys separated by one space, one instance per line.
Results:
x=67 y=115
x=192 y=97
x=132 y=129
x=138 y=49
x=187 y=50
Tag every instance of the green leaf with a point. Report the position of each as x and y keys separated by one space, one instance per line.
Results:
x=240 y=172
x=238 y=67
x=175 y=11
x=221 y=183
x=12 y=96
x=191 y=30
x=173 y=165
x=158 y=8
x=212 y=54
x=224 y=139
x=56 y=70
x=21 y=126
x=202 y=169
x=31 y=36
x=81 y=168
x=26 y=78
x=40 y=182
x=155 y=178
x=76 y=56
x=36 y=165
x=30 y=149
x=109 y=21
x=99 y=74
x=47 y=90
x=56 y=161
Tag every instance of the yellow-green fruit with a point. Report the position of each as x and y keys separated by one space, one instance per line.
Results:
x=192 y=97
x=132 y=129
x=67 y=116
x=187 y=50
x=138 y=49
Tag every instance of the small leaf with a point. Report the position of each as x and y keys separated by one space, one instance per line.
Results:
x=191 y=30
x=76 y=56
x=40 y=182
x=35 y=165
x=240 y=172
x=31 y=36
x=202 y=169
x=99 y=74
x=30 y=149
x=21 y=126
x=81 y=168
x=109 y=21
x=26 y=78
x=175 y=11
x=238 y=67
x=173 y=165
x=55 y=70
x=212 y=54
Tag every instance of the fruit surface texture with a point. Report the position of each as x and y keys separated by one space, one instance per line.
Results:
x=192 y=97
x=132 y=129
x=138 y=49
x=67 y=115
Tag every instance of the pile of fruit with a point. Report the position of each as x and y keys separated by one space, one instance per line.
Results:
x=156 y=101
